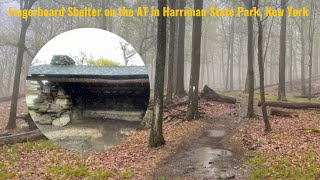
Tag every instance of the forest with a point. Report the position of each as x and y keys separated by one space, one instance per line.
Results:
x=232 y=97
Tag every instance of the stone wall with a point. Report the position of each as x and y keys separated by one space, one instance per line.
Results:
x=53 y=106
x=58 y=104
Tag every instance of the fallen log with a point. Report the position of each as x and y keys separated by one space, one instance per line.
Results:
x=314 y=130
x=287 y=82
x=22 y=137
x=282 y=113
x=306 y=96
x=210 y=95
x=8 y=98
x=292 y=105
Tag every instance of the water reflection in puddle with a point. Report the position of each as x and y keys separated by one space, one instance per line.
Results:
x=216 y=133
x=206 y=157
x=90 y=134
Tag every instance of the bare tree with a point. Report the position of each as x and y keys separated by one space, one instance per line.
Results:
x=156 y=136
x=282 y=57
x=24 y=5
x=180 y=64
x=171 y=53
x=192 y=112
x=261 y=72
x=250 y=70
x=127 y=51
x=312 y=29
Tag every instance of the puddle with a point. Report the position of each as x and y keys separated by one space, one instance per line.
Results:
x=90 y=134
x=216 y=133
x=206 y=157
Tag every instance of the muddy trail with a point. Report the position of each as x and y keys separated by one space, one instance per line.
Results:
x=211 y=156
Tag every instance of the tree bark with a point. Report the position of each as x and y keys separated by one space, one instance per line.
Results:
x=282 y=58
x=193 y=112
x=311 y=37
x=180 y=64
x=261 y=72
x=156 y=135
x=250 y=71
x=291 y=60
x=231 y=44
x=171 y=53
x=302 y=39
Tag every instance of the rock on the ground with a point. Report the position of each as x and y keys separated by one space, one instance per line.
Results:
x=62 y=121
x=226 y=175
x=45 y=120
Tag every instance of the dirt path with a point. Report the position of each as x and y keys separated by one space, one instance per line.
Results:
x=207 y=157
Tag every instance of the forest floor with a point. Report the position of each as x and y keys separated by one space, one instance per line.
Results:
x=222 y=144
x=132 y=159
x=290 y=151
x=212 y=155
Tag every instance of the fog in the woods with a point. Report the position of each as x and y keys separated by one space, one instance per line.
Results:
x=248 y=84
x=223 y=47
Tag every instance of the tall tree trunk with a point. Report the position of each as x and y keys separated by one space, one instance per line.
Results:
x=180 y=64
x=171 y=53
x=291 y=60
x=103 y=17
x=240 y=63
x=192 y=112
x=231 y=44
x=311 y=37
x=282 y=57
x=261 y=72
x=250 y=73
x=316 y=57
x=295 y=65
x=24 y=5
x=156 y=136
x=303 y=49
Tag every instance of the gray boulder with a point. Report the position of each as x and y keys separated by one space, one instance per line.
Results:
x=62 y=121
x=62 y=60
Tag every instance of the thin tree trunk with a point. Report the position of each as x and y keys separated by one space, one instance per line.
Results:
x=311 y=36
x=192 y=112
x=180 y=64
x=156 y=135
x=231 y=44
x=171 y=53
x=303 y=81
x=240 y=63
x=291 y=60
x=27 y=4
x=250 y=71
x=261 y=72
x=282 y=58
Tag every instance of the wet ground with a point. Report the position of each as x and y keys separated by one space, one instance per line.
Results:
x=207 y=157
x=90 y=134
x=86 y=135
